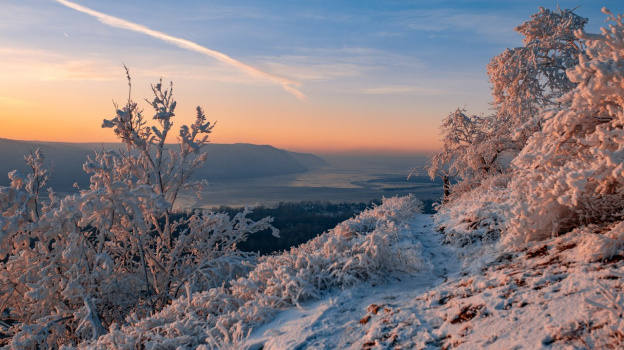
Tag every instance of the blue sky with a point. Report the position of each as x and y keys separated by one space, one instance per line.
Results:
x=375 y=75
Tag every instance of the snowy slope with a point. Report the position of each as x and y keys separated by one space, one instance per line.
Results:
x=541 y=298
x=376 y=246
x=386 y=280
x=353 y=317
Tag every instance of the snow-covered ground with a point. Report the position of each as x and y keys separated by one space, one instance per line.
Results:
x=386 y=279
x=543 y=297
x=365 y=314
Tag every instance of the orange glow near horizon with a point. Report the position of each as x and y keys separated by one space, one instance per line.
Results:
x=319 y=77
x=72 y=111
x=22 y=121
x=59 y=83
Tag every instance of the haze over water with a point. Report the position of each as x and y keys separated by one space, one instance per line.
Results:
x=344 y=179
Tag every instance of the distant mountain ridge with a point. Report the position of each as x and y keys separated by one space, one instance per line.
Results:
x=225 y=161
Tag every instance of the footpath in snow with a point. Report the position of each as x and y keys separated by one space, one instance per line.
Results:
x=544 y=297
x=366 y=315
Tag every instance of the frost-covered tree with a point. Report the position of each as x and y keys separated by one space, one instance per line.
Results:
x=440 y=166
x=525 y=80
x=467 y=152
x=533 y=77
x=571 y=173
x=75 y=266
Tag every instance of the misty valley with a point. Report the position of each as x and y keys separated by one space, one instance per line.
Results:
x=305 y=194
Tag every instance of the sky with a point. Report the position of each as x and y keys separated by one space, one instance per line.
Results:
x=320 y=76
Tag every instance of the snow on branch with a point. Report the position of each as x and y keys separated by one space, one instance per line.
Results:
x=75 y=267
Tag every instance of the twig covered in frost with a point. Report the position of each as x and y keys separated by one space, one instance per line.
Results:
x=116 y=250
x=369 y=247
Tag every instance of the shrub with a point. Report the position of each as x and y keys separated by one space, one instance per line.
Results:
x=77 y=266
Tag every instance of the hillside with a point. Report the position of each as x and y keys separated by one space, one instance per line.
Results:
x=387 y=279
x=469 y=298
x=225 y=161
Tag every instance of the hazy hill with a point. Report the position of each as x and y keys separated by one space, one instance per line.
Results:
x=225 y=161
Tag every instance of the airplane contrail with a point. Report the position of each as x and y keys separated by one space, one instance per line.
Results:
x=288 y=85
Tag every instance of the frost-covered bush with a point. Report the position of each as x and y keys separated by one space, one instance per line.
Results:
x=559 y=110
x=75 y=267
x=568 y=175
x=571 y=173
x=525 y=80
x=468 y=152
x=477 y=215
x=370 y=247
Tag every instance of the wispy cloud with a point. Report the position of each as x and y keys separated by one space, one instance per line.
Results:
x=325 y=64
x=303 y=69
x=489 y=26
x=385 y=34
x=42 y=65
x=401 y=90
x=10 y=101
x=288 y=85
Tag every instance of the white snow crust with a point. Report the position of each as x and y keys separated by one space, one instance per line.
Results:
x=540 y=298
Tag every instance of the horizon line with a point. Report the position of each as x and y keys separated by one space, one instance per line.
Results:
x=294 y=149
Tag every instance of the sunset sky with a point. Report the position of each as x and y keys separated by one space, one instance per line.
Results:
x=319 y=76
